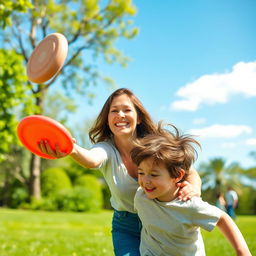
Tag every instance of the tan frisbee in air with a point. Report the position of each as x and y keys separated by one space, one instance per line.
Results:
x=47 y=58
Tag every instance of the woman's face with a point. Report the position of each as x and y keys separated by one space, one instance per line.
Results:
x=122 y=116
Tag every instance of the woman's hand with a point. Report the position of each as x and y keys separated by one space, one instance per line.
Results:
x=187 y=191
x=45 y=147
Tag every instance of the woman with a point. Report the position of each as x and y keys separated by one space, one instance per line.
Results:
x=122 y=120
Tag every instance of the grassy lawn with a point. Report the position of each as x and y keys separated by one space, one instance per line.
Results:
x=216 y=243
x=33 y=233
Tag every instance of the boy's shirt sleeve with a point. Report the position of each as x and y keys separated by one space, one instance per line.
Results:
x=205 y=215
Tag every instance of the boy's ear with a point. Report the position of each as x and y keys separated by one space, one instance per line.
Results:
x=182 y=173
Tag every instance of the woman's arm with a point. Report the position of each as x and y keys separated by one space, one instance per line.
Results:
x=191 y=186
x=230 y=230
x=88 y=158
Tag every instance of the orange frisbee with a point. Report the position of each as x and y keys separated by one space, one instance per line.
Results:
x=47 y=58
x=32 y=129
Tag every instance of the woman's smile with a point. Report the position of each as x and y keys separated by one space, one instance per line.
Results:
x=122 y=124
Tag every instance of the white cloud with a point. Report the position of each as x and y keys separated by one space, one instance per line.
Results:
x=199 y=121
x=221 y=131
x=251 y=142
x=218 y=88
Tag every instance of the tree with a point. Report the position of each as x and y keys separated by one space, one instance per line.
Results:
x=91 y=28
x=216 y=175
x=7 y=7
x=13 y=95
x=251 y=173
x=13 y=173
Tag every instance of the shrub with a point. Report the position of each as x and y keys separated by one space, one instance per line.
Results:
x=78 y=199
x=106 y=195
x=19 y=195
x=59 y=195
x=54 y=180
x=246 y=201
x=94 y=188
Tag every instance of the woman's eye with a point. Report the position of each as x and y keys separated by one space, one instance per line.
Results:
x=154 y=175
x=140 y=173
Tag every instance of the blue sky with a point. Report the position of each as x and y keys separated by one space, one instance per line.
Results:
x=194 y=65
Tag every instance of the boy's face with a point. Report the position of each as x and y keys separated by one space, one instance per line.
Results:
x=156 y=182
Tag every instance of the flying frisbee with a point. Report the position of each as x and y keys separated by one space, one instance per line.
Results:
x=32 y=129
x=47 y=58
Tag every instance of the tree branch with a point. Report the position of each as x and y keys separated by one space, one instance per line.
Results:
x=32 y=33
x=66 y=65
x=31 y=87
x=23 y=52
x=84 y=21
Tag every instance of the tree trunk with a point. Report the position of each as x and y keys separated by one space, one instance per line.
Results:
x=34 y=184
x=35 y=162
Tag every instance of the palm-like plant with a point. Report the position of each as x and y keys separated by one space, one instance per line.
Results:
x=217 y=176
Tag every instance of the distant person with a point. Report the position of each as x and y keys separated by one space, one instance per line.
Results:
x=171 y=226
x=221 y=202
x=232 y=202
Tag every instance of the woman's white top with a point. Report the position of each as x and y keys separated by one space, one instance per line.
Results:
x=122 y=186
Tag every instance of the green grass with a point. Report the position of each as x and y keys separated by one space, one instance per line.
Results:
x=35 y=233
x=217 y=244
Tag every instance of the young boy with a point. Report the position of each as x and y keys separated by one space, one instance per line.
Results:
x=171 y=226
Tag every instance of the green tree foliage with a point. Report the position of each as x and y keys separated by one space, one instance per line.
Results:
x=18 y=196
x=58 y=106
x=13 y=176
x=91 y=27
x=54 y=180
x=247 y=201
x=251 y=173
x=7 y=7
x=216 y=175
x=12 y=96
x=106 y=196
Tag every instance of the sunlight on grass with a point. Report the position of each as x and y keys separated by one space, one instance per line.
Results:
x=30 y=233
x=217 y=244
x=53 y=233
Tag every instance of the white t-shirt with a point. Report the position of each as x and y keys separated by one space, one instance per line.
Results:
x=122 y=186
x=173 y=228
x=231 y=197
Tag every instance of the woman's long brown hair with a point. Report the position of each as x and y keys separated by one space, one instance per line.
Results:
x=100 y=130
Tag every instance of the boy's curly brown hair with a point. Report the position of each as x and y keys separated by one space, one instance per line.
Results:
x=172 y=149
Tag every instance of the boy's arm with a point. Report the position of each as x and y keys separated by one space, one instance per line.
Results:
x=230 y=230
x=191 y=186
